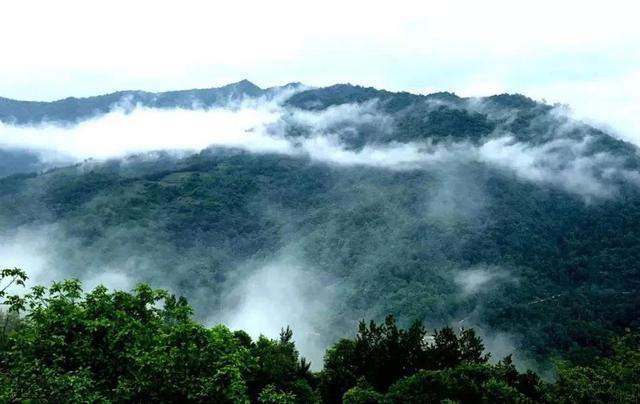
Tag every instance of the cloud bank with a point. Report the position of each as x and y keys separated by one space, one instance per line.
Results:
x=563 y=163
x=144 y=129
x=264 y=126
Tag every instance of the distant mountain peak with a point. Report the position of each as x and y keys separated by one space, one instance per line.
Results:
x=245 y=84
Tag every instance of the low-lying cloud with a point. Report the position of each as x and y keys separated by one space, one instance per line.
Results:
x=263 y=126
x=34 y=250
x=564 y=163
x=144 y=129
x=281 y=293
x=478 y=279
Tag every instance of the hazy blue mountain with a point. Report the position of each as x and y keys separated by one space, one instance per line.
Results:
x=73 y=109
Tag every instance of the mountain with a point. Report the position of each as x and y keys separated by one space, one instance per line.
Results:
x=501 y=213
x=76 y=109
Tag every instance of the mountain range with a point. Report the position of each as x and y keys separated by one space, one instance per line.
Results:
x=502 y=213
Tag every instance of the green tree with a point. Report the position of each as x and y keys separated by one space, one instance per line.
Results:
x=362 y=395
x=9 y=318
x=382 y=353
x=465 y=383
x=269 y=395
x=277 y=364
x=606 y=380
x=140 y=346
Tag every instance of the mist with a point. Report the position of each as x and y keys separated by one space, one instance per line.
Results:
x=261 y=298
x=563 y=163
x=263 y=126
x=267 y=298
x=37 y=251
x=479 y=279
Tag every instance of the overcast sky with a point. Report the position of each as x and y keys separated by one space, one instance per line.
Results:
x=581 y=53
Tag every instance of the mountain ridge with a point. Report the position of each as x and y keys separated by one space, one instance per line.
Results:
x=75 y=109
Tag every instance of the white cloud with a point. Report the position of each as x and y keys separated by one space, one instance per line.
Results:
x=612 y=101
x=343 y=115
x=477 y=279
x=325 y=149
x=144 y=129
x=18 y=250
x=562 y=162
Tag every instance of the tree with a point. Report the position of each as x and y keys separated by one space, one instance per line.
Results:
x=269 y=395
x=382 y=353
x=362 y=395
x=467 y=383
x=9 y=318
x=606 y=380
x=277 y=364
x=140 y=346
x=143 y=345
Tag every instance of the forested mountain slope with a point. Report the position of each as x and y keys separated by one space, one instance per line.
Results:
x=500 y=213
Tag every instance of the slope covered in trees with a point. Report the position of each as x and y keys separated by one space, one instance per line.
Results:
x=565 y=272
x=512 y=219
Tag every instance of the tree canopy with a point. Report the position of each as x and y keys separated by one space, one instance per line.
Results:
x=68 y=345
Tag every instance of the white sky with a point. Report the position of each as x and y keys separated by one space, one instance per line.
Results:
x=583 y=53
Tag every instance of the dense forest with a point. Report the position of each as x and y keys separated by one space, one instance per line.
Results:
x=61 y=344
x=501 y=215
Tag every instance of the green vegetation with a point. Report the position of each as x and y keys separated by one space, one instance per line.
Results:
x=103 y=346
x=144 y=346
x=561 y=273
x=392 y=241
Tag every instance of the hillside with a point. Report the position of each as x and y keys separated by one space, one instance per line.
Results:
x=500 y=213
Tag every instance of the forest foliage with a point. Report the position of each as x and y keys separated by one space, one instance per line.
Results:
x=62 y=344
x=563 y=272
x=393 y=241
